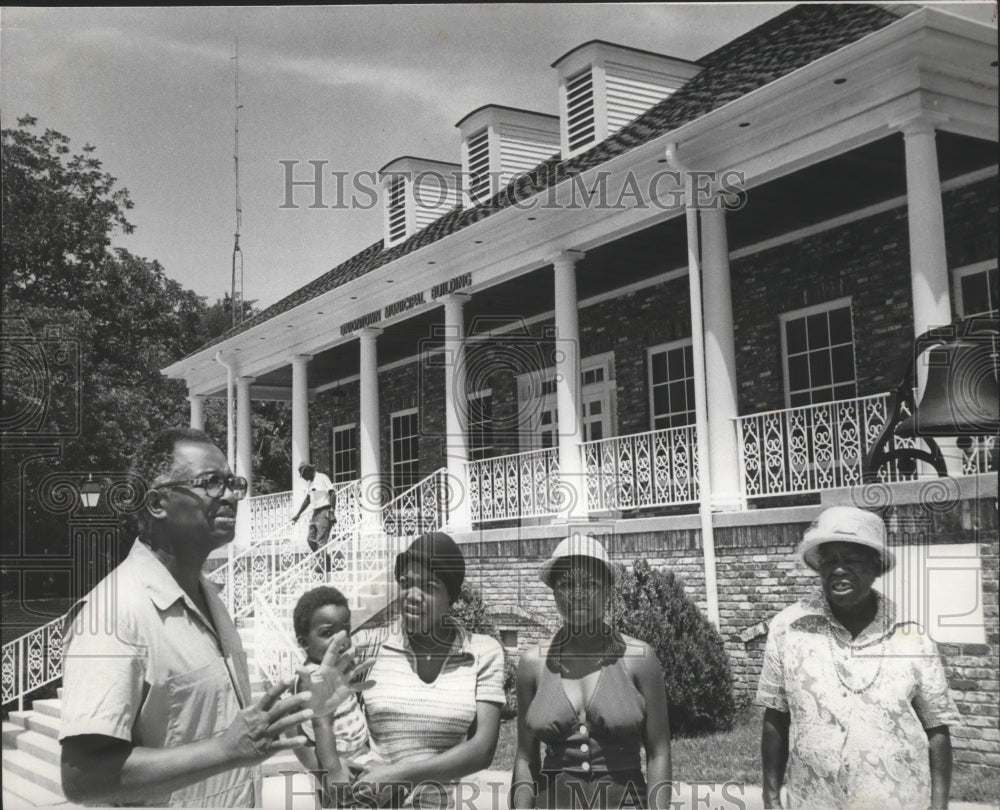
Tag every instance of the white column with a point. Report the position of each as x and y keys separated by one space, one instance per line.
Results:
x=244 y=459
x=568 y=398
x=456 y=413
x=244 y=431
x=720 y=363
x=197 y=411
x=368 y=423
x=300 y=422
x=928 y=261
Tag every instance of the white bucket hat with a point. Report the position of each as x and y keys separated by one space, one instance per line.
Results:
x=578 y=545
x=846 y=524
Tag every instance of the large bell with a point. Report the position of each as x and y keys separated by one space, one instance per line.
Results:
x=961 y=396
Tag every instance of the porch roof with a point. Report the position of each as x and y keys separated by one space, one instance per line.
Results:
x=772 y=50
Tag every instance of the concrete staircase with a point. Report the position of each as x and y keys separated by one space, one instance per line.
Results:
x=31 y=748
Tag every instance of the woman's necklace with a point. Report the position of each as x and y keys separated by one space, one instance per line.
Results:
x=596 y=659
x=836 y=665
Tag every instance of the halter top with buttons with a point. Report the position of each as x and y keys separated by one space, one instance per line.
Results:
x=605 y=737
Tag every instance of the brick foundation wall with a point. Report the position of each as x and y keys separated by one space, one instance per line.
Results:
x=758 y=574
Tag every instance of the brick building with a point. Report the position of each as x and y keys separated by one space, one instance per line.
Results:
x=673 y=313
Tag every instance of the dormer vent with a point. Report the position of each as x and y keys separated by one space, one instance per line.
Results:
x=417 y=192
x=603 y=87
x=499 y=143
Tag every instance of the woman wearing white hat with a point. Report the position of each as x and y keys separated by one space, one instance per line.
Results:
x=593 y=696
x=856 y=701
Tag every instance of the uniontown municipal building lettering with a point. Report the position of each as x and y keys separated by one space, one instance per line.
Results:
x=407 y=303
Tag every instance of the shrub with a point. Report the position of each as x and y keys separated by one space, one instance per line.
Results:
x=470 y=611
x=651 y=605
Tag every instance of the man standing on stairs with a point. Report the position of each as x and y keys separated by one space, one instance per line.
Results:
x=156 y=689
x=321 y=496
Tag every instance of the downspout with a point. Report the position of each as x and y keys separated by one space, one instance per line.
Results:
x=700 y=389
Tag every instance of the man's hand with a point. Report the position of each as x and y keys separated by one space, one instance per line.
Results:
x=256 y=733
x=294 y=519
x=330 y=685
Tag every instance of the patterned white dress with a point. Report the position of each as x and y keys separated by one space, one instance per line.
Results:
x=859 y=707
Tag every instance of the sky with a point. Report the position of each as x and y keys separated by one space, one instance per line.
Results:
x=355 y=86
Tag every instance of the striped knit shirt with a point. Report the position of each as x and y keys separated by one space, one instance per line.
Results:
x=411 y=720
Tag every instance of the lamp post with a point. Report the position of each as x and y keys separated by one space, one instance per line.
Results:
x=94 y=504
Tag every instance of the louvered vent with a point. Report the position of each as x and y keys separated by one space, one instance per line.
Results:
x=500 y=143
x=603 y=87
x=479 y=167
x=580 y=109
x=397 y=209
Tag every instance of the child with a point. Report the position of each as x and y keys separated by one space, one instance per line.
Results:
x=320 y=614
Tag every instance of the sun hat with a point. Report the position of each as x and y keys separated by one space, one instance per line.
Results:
x=578 y=545
x=440 y=555
x=846 y=524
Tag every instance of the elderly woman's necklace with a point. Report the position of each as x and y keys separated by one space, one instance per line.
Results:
x=836 y=665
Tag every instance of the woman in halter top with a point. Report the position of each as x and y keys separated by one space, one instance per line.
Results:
x=593 y=696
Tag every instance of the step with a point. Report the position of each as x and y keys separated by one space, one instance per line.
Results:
x=11 y=731
x=52 y=707
x=43 y=724
x=18 y=793
x=19 y=718
x=23 y=766
x=43 y=747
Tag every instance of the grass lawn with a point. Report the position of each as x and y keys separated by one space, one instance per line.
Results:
x=735 y=755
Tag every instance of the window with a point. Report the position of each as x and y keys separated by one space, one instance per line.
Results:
x=817 y=344
x=480 y=425
x=405 y=451
x=538 y=403
x=509 y=638
x=976 y=289
x=671 y=384
x=344 y=452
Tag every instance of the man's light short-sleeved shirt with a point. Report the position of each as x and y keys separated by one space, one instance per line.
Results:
x=142 y=665
x=857 y=739
x=319 y=490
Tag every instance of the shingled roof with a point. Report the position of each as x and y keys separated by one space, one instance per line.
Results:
x=772 y=50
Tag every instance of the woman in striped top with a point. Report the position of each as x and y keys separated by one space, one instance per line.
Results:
x=434 y=711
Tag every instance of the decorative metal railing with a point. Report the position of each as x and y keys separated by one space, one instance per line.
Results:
x=31 y=661
x=817 y=447
x=278 y=548
x=515 y=486
x=356 y=556
x=656 y=468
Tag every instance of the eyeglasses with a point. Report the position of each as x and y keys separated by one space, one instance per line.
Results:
x=588 y=586
x=215 y=484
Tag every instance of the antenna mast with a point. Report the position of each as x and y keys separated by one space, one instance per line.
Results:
x=236 y=295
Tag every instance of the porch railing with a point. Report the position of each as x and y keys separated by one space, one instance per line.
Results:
x=818 y=447
x=31 y=661
x=656 y=468
x=354 y=558
x=278 y=545
x=515 y=486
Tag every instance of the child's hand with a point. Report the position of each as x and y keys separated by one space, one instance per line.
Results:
x=331 y=685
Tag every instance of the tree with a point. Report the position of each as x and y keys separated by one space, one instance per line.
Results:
x=59 y=213
x=651 y=605
x=87 y=328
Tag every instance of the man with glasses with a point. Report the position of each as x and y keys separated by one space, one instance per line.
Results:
x=156 y=700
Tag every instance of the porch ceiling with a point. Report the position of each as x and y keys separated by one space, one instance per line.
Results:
x=865 y=176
